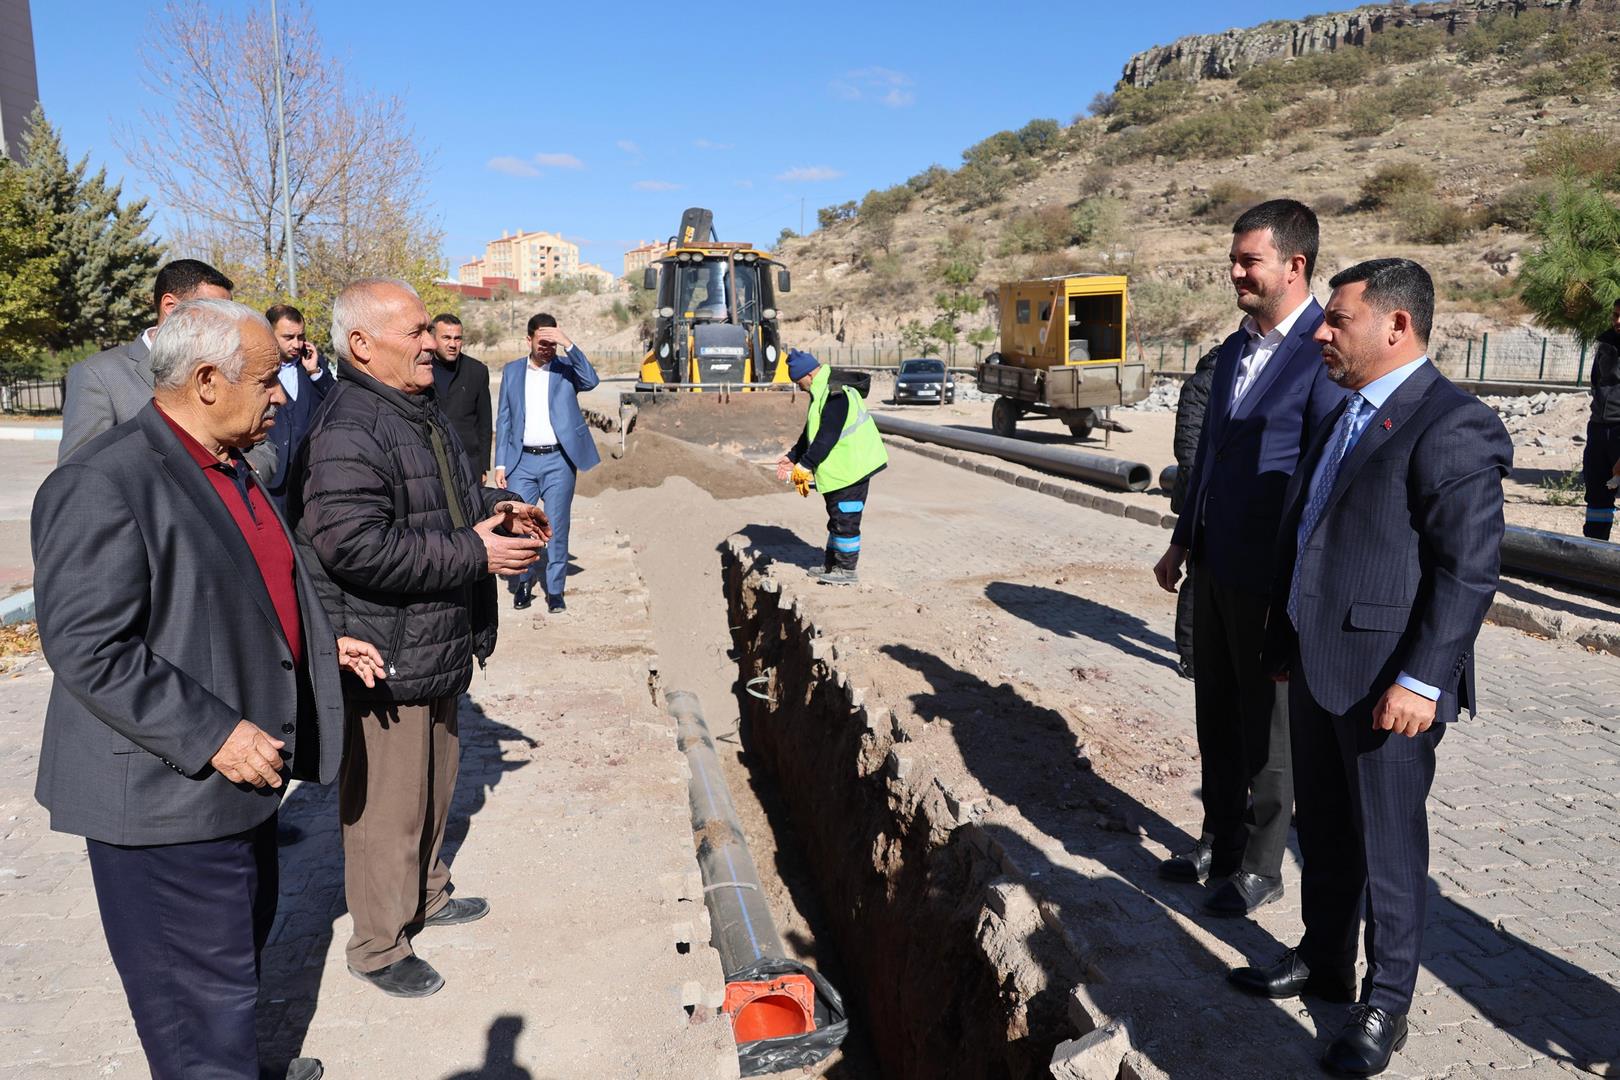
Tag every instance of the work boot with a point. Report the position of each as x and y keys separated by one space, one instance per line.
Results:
x=838 y=575
x=555 y=605
x=523 y=597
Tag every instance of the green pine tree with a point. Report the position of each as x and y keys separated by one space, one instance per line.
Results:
x=1572 y=279
x=107 y=257
x=28 y=276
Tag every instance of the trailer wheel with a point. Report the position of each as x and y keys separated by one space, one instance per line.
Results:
x=1004 y=418
x=1082 y=424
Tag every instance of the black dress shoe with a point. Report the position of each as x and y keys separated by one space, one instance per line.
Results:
x=304 y=1069
x=458 y=911
x=1195 y=865
x=1242 y=893
x=1291 y=977
x=522 y=598
x=555 y=605
x=411 y=977
x=1370 y=1038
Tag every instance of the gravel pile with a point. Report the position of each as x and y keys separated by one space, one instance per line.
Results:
x=1546 y=421
x=1164 y=396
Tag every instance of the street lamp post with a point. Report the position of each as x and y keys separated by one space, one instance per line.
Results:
x=286 y=176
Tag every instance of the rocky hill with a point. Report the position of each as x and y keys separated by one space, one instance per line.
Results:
x=1433 y=131
x=1227 y=54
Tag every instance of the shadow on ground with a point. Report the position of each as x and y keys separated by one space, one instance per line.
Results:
x=1068 y=615
x=312 y=904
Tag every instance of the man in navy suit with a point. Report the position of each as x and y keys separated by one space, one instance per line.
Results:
x=303 y=376
x=1269 y=393
x=541 y=442
x=1388 y=560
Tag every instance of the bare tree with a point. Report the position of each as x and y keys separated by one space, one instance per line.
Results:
x=355 y=174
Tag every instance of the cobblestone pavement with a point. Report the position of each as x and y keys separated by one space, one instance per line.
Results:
x=570 y=814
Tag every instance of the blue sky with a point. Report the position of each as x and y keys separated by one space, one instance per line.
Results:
x=603 y=121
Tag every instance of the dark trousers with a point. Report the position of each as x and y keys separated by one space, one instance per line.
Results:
x=1364 y=841
x=185 y=924
x=1248 y=790
x=844 y=509
x=1597 y=466
x=1184 y=619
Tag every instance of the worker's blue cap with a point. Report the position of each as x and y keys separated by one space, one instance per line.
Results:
x=800 y=364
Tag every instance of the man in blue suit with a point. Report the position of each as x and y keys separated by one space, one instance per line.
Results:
x=541 y=442
x=304 y=378
x=1268 y=394
x=1388 y=560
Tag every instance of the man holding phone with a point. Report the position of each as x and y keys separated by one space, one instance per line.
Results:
x=303 y=376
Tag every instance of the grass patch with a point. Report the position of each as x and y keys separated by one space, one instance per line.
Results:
x=1393 y=182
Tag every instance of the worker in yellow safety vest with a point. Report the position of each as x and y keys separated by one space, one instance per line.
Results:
x=841 y=449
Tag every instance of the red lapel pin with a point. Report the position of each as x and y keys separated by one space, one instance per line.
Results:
x=1388 y=424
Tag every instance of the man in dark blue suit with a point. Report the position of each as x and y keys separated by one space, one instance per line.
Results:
x=541 y=442
x=1268 y=395
x=1388 y=560
x=305 y=380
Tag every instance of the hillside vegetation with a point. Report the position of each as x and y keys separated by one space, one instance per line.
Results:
x=1441 y=147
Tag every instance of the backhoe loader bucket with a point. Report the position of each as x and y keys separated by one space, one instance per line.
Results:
x=759 y=424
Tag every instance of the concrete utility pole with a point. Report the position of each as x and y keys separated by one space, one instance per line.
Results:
x=286 y=175
x=19 y=85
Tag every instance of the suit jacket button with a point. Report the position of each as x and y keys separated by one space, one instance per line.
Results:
x=287 y=664
x=286 y=729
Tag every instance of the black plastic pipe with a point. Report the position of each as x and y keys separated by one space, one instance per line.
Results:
x=1093 y=468
x=743 y=931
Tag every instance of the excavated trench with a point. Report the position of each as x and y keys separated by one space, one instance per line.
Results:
x=876 y=875
x=947 y=975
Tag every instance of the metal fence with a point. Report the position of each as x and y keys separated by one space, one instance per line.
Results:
x=1517 y=355
x=32 y=395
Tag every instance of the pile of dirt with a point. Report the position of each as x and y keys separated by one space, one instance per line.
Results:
x=653 y=458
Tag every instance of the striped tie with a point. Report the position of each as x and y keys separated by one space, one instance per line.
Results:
x=1319 y=496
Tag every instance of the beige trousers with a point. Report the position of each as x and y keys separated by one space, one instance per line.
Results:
x=394 y=795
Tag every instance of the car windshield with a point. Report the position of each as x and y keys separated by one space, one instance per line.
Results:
x=922 y=367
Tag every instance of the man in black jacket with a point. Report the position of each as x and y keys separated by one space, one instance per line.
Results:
x=409 y=542
x=461 y=383
x=1189 y=425
x=1601 y=462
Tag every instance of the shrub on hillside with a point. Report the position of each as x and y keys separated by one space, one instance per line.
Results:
x=1517 y=207
x=1311 y=114
x=1038 y=136
x=1225 y=200
x=1001 y=146
x=1591 y=154
x=1391 y=182
x=1406 y=44
x=1334 y=70
x=1593 y=71
x=1148 y=105
x=974 y=186
x=925 y=180
x=1424 y=218
x=1035 y=232
x=1222 y=131
x=1504 y=34
x=1097 y=219
x=1375 y=111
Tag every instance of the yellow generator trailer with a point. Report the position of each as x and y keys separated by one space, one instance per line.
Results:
x=716 y=322
x=1062 y=354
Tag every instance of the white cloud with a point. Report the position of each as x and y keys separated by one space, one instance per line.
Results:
x=742 y=183
x=705 y=144
x=809 y=174
x=628 y=147
x=511 y=166
x=656 y=185
x=559 y=161
x=880 y=84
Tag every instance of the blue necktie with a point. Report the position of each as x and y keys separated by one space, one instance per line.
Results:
x=1319 y=495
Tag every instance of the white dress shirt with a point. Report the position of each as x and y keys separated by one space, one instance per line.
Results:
x=537 y=429
x=1260 y=349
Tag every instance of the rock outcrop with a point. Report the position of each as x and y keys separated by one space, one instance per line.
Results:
x=1223 y=55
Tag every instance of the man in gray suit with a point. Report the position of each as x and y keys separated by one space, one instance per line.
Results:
x=194 y=669
x=112 y=386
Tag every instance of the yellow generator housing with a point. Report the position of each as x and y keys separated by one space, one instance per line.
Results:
x=1063 y=353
